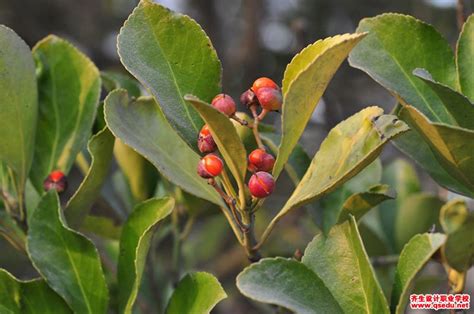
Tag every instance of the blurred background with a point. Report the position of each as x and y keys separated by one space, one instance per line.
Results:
x=253 y=38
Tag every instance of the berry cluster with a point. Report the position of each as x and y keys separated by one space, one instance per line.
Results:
x=264 y=94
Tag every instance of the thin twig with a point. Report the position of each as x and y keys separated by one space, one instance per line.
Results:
x=228 y=184
x=231 y=203
x=256 y=120
x=460 y=14
x=381 y=261
x=241 y=121
x=187 y=228
x=228 y=215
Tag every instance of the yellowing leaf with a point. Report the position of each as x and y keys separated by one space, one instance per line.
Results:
x=304 y=82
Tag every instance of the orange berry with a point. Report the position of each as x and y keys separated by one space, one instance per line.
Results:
x=264 y=82
x=210 y=166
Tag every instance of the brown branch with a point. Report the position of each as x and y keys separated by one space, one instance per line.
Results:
x=460 y=14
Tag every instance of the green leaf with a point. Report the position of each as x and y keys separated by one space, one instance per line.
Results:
x=297 y=163
x=141 y=125
x=330 y=206
x=304 y=82
x=102 y=226
x=28 y=297
x=458 y=223
x=171 y=55
x=342 y=264
x=18 y=105
x=415 y=214
x=196 y=293
x=413 y=145
x=226 y=137
x=114 y=80
x=348 y=148
x=398 y=44
x=140 y=173
x=67 y=260
x=464 y=60
x=457 y=105
x=359 y=204
x=287 y=283
x=413 y=257
x=79 y=205
x=402 y=177
x=10 y=293
x=134 y=244
x=69 y=90
x=452 y=146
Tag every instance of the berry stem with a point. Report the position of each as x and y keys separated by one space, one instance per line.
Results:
x=229 y=188
x=241 y=121
x=228 y=214
x=256 y=120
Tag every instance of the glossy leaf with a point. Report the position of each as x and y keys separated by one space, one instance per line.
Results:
x=416 y=214
x=457 y=105
x=226 y=137
x=28 y=297
x=398 y=44
x=342 y=264
x=359 y=204
x=18 y=105
x=458 y=223
x=141 y=125
x=413 y=257
x=10 y=293
x=348 y=148
x=67 y=260
x=196 y=293
x=134 y=244
x=79 y=205
x=102 y=226
x=140 y=173
x=69 y=90
x=287 y=283
x=413 y=145
x=464 y=60
x=330 y=206
x=304 y=82
x=452 y=146
x=402 y=177
x=171 y=55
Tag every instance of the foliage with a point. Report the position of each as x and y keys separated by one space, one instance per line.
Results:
x=99 y=249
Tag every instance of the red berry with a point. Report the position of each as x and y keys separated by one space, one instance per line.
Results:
x=225 y=104
x=206 y=143
x=264 y=82
x=248 y=98
x=210 y=166
x=56 y=180
x=269 y=98
x=261 y=184
x=260 y=160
